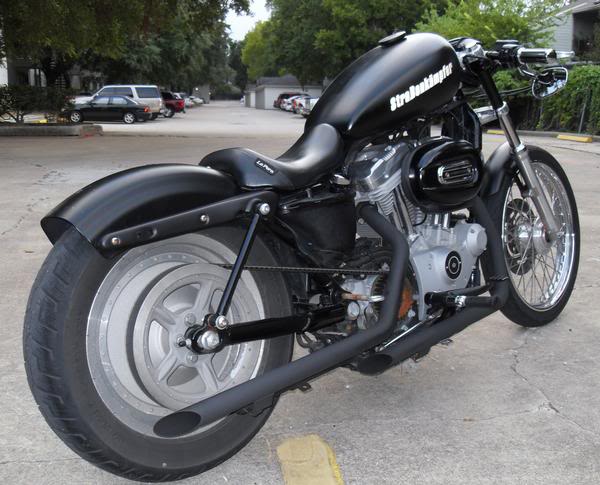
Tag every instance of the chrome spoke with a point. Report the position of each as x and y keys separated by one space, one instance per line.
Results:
x=538 y=269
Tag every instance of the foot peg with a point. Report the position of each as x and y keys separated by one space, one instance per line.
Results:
x=470 y=298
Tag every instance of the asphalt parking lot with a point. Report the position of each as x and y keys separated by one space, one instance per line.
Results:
x=500 y=404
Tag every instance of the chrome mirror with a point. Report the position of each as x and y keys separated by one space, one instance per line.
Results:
x=549 y=82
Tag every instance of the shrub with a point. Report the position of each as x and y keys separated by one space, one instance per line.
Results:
x=18 y=101
x=564 y=110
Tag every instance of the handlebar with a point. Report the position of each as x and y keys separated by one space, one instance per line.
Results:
x=535 y=56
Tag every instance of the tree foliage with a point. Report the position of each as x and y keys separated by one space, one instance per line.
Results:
x=260 y=51
x=313 y=39
x=528 y=21
x=149 y=38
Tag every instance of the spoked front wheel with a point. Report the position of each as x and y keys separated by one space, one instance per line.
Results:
x=102 y=355
x=542 y=272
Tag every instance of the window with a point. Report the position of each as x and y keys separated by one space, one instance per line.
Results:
x=123 y=91
x=106 y=92
x=147 y=92
x=100 y=100
x=167 y=95
x=118 y=101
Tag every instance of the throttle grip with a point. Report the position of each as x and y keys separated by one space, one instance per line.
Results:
x=535 y=56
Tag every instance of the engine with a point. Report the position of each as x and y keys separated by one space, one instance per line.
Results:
x=423 y=189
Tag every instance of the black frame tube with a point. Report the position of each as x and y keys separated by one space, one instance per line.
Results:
x=264 y=388
x=238 y=266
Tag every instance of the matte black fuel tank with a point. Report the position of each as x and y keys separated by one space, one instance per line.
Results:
x=389 y=85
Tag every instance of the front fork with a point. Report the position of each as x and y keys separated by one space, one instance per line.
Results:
x=524 y=162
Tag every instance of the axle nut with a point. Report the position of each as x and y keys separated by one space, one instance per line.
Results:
x=210 y=340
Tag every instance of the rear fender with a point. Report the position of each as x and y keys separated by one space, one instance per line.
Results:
x=136 y=196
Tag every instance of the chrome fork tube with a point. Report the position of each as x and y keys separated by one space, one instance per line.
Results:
x=529 y=176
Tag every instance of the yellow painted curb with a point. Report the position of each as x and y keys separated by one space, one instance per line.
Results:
x=308 y=460
x=582 y=139
x=495 y=132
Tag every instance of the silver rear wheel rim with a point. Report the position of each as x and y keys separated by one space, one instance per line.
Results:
x=540 y=271
x=129 y=350
x=129 y=118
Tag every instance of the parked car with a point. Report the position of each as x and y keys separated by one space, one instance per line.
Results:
x=287 y=103
x=173 y=103
x=148 y=95
x=187 y=100
x=110 y=108
x=196 y=100
x=308 y=106
x=298 y=103
x=282 y=97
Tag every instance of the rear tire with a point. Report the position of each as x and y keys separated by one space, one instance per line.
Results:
x=129 y=118
x=538 y=291
x=65 y=383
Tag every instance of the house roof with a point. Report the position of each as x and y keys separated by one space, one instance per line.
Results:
x=580 y=6
x=286 y=80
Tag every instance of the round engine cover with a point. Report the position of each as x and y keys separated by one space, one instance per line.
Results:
x=443 y=174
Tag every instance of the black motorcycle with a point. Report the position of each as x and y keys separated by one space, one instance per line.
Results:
x=159 y=331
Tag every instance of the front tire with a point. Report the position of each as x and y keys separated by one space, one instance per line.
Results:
x=76 y=117
x=101 y=402
x=542 y=274
x=169 y=113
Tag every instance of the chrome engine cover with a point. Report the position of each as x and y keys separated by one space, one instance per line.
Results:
x=443 y=254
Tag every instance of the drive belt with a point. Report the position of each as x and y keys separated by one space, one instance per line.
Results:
x=300 y=269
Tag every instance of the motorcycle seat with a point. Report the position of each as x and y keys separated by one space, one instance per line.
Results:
x=316 y=153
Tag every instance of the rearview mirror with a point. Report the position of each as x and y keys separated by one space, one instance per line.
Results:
x=549 y=82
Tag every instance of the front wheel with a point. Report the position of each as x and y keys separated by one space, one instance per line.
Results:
x=102 y=355
x=168 y=113
x=542 y=273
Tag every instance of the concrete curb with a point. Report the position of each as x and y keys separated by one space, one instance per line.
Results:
x=547 y=134
x=10 y=129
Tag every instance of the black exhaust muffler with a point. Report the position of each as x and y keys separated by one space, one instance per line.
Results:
x=262 y=389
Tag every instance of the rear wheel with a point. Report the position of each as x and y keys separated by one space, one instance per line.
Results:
x=102 y=358
x=129 y=118
x=542 y=273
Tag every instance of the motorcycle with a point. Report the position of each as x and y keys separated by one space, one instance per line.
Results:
x=159 y=331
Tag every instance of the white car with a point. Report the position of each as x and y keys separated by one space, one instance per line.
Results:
x=148 y=95
x=287 y=103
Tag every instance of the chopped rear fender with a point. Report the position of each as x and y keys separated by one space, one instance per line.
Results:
x=136 y=196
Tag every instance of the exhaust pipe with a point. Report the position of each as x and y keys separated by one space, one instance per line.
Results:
x=424 y=338
x=264 y=388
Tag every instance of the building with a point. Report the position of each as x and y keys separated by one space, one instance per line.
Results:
x=575 y=24
x=269 y=88
x=250 y=96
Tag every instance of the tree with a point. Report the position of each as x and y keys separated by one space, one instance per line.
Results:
x=528 y=21
x=55 y=34
x=313 y=39
x=240 y=78
x=260 y=52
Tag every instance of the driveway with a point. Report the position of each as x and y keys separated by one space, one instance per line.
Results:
x=500 y=404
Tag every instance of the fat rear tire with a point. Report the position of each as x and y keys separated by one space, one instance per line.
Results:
x=59 y=376
x=515 y=308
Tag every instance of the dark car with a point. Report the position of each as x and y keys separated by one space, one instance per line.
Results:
x=282 y=97
x=113 y=108
x=173 y=103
